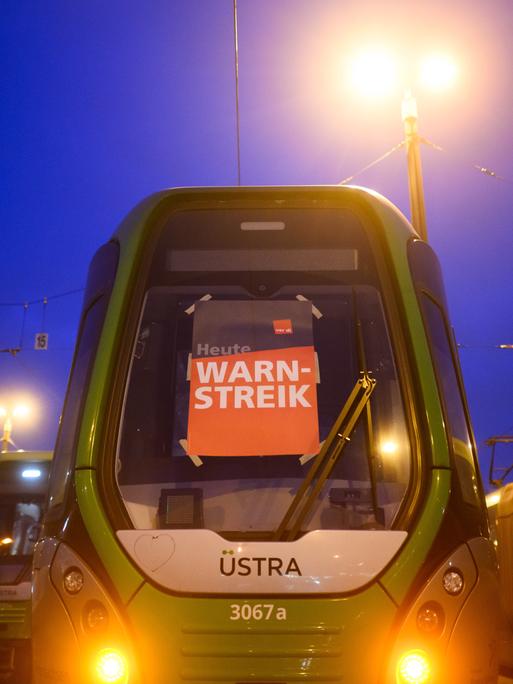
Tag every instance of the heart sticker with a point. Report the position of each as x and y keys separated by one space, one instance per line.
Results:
x=154 y=550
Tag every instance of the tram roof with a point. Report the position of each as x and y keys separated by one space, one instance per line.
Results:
x=25 y=456
x=195 y=197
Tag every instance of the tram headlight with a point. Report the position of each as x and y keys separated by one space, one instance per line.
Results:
x=453 y=582
x=73 y=580
x=413 y=667
x=95 y=616
x=431 y=618
x=111 y=667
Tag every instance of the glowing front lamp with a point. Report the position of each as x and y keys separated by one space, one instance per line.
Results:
x=111 y=667
x=413 y=668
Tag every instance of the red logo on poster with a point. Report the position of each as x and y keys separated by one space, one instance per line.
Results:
x=283 y=327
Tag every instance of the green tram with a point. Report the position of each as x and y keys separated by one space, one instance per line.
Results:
x=500 y=513
x=265 y=471
x=23 y=486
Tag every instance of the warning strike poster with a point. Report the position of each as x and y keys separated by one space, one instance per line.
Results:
x=252 y=379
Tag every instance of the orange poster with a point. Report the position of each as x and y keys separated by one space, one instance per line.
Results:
x=252 y=379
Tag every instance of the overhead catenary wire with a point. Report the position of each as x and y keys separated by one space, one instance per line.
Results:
x=23 y=321
x=43 y=314
x=495 y=347
x=373 y=163
x=45 y=299
x=13 y=350
x=478 y=167
x=236 y=64
x=484 y=170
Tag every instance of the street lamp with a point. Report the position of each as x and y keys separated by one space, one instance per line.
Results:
x=377 y=73
x=415 y=181
x=8 y=414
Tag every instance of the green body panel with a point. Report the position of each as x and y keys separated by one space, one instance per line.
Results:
x=126 y=577
x=398 y=577
x=15 y=620
x=337 y=640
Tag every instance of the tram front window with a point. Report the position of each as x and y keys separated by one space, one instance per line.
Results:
x=237 y=377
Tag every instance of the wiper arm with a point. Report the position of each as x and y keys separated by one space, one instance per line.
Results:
x=326 y=460
x=371 y=456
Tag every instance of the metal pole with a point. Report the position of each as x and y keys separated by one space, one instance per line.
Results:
x=415 y=183
x=6 y=437
x=236 y=59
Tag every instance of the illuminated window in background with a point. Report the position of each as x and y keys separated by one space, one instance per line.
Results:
x=19 y=528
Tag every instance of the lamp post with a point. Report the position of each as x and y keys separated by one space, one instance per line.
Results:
x=377 y=73
x=18 y=411
x=415 y=182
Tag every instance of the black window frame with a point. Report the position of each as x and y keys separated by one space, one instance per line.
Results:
x=100 y=281
x=428 y=283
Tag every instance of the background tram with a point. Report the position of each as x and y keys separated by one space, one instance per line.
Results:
x=500 y=511
x=265 y=470
x=23 y=486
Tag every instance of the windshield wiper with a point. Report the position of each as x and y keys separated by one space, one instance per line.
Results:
x=326 y=460
x=369 y=432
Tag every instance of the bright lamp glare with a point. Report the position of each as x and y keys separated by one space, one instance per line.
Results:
x=3 y=412
x=6 y=541
x=21 y=411
x=374 y=73
x=438 y=72
x=111 y=667
x=413 y=668
x=493 y=499
x=388 y=447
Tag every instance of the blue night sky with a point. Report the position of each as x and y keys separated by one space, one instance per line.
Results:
x=105 y=102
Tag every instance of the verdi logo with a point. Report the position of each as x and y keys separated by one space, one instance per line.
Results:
x=265 y=566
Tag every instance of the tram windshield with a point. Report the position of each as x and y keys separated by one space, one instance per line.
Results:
x=254 y=330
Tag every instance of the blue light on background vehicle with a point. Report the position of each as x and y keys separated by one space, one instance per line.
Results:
x=31 y=473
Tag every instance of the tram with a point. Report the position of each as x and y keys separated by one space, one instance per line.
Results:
x=265 y=471
x=23 y=483
x=500 y=512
